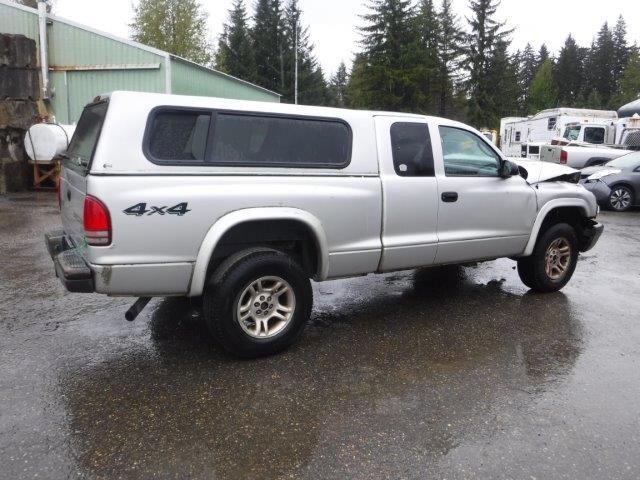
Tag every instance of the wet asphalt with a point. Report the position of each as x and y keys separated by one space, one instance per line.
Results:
x=445 y=373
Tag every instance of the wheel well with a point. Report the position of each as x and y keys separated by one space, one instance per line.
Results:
x=574 y=216
x=289 y=236
x=625 y=184
x=595 y=161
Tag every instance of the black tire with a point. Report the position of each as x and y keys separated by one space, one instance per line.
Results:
x=532 y=269
x=621 y=198
x=222 y=296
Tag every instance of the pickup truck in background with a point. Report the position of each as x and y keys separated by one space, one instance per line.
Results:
x=580 y=156
x=244 y=203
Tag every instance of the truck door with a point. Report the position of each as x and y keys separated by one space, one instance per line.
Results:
x=410 y=192
x=481 y=215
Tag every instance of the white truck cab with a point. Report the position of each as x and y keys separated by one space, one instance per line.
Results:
x=243 y=203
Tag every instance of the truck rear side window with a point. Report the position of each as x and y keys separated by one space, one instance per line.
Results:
x=179 y=136
x=594 y=135
x=411 y=147
x=257 y=140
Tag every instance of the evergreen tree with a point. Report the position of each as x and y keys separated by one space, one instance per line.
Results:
x=629 y=89
x=176 y=26
x=235 y=54
x=449 y=50
x=430 y=83
x=543 y=55
x=569 y=73
x=267 y=45
x=338 y=87
x=528 y=66
x=486 y=33
x=503 y=87
x=544 y=91
x=599 y=66
x=386 y=71
x=621 y=50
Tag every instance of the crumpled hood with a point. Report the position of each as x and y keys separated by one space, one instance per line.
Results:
x=538 y=171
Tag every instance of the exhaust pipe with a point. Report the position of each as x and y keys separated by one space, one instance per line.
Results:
x=136 y=308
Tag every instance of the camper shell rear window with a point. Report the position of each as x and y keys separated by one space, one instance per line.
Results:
x=85 y=138
x=191 y=136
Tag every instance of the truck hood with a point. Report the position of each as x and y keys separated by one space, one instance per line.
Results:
x=536 y=171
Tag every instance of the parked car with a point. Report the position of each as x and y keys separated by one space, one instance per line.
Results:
x=616 y=184
x=580 y=156
x=243 y=203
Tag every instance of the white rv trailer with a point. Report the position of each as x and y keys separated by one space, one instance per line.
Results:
x=590 y=126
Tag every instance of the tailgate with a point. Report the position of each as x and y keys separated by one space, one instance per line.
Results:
x=550 y=153
x=75 y=168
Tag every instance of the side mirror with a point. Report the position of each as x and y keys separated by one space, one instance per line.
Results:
x=508 y=169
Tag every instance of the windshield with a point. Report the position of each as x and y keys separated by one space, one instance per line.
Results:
x=572 y=132
x=86 y=135
x=626 y=161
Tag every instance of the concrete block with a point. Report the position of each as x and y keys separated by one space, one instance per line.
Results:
x=17 y=114
x=19 y=84
x=18 y=51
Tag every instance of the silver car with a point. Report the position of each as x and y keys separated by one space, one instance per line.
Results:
x=616 y=184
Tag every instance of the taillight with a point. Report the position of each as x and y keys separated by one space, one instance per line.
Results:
x=563 y=156
x=97 y=222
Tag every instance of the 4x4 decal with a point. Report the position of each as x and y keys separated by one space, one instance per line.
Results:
x=140 y=209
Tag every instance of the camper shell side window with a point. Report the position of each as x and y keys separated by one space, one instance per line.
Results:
x=190 y=136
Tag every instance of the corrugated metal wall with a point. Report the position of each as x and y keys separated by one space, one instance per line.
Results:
x=72 y=47
x=18 y=22
x=190 y=79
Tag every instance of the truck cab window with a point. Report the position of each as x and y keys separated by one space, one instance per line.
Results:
x=572 y=132
x=594 y=135
x=466 y=154
x=411 y=147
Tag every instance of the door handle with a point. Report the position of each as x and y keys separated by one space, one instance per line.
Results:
x=449 y=196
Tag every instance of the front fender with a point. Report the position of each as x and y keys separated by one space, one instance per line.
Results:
x=587 y=206
x=230 y=220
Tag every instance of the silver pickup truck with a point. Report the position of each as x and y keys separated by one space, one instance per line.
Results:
x=244 y=203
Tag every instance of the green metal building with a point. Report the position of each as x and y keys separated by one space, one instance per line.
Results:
x=84 y=63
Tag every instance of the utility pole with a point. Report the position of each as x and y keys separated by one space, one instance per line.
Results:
x=295 y=68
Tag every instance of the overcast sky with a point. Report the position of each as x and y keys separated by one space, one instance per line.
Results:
x=333 y=23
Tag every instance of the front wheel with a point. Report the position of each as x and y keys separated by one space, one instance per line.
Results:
x=620 y=198
x=257 y=303
x=553 y=261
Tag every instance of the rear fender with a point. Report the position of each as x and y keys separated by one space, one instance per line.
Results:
x=225 y=223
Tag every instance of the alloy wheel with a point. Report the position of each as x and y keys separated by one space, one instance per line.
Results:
x=265 y=307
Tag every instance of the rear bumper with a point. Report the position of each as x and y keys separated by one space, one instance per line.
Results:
x=591 y=235
x=70 y=267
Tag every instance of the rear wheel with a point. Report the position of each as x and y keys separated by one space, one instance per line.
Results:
x=621 y=198
x=257 y=303
x=553 y=261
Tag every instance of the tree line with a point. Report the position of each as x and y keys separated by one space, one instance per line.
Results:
x=413 y=56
